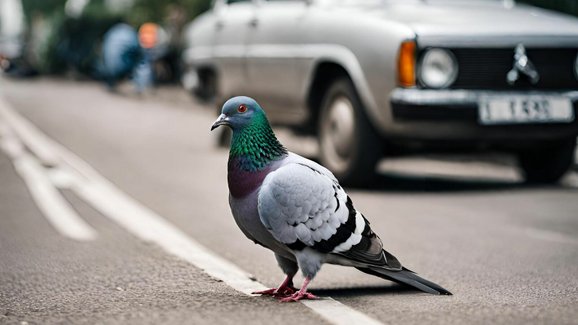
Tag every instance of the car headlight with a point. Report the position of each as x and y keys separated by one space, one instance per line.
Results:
x=438 y=68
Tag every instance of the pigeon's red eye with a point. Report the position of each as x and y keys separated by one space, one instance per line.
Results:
x=242 y=108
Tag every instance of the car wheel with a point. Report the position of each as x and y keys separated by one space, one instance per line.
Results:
x=224 y=133
x=349 y=145
x=548 y=162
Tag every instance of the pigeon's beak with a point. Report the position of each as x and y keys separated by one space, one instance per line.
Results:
x=222 y=120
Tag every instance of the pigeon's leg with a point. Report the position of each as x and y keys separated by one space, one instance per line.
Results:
x=284 y=290
x=301 y=294
x=309 y=262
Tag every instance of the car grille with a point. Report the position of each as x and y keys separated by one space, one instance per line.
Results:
x=487 y=68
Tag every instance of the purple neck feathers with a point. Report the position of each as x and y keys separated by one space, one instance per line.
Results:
x=242 y=182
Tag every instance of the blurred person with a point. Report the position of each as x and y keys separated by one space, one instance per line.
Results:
x=144 y=73
x=121 y=55
x=155 y=43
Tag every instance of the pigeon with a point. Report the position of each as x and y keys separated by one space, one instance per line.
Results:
x=297 y=208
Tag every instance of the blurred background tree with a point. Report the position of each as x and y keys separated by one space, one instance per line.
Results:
x=159 y=10
x=566 y=6
x=64 y=40
x=140 y=11
x=46 y=7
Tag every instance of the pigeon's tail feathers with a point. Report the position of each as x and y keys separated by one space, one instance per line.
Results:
x=406 y=277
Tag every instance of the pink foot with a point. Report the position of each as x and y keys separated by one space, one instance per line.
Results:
x=277 y=292
x=299 y=296
x=265 y=292
x=286 y=289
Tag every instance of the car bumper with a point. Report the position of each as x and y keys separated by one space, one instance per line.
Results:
x=453 y=114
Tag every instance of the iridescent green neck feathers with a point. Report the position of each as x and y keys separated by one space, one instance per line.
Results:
x=255 y=146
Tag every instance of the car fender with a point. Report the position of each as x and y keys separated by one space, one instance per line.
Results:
x=372 y=85
x=346 y=59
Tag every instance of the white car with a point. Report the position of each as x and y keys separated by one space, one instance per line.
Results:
x=374 y=78
x=11 y=31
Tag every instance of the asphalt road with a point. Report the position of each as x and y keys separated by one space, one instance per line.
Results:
x=508 y=252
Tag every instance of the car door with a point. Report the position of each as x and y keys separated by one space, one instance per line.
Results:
x=231 y=23
x=274 y=42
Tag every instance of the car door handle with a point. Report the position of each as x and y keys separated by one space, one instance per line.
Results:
x=219 y=25
x=254 y=22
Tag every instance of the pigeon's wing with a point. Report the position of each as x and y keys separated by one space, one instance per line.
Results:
x=303 y=205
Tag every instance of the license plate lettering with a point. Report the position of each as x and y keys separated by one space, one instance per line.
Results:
x=515 y=110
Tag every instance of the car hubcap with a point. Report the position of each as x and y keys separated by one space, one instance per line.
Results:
x=337 y=133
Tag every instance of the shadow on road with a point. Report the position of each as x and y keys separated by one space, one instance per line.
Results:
x=365 y=291
x=397 y=182
x=426 y=183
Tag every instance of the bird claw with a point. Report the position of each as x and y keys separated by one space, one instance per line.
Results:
x=299 y=296
x=276 y=292
x=265 y=292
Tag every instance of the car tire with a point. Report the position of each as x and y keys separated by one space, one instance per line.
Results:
x=349 y=146
x=224 y=138
x=548 y=162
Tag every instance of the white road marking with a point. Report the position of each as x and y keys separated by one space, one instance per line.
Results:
x=339 y=314
x=48 y=199
x=149 y=226
x=31 y=136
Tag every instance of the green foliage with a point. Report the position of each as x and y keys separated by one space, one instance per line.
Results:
x=74 y=42
x=566 y=6
x=96 y=9
x=45 y=7
x=158 y=10
x=47 y=59
x=142 y=11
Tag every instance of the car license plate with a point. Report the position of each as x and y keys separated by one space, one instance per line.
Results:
x=525 y=109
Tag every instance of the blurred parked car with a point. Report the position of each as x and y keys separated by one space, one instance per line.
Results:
x=388 y=77
x=11 y=34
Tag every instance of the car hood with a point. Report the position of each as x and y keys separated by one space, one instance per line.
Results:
x=492 y=19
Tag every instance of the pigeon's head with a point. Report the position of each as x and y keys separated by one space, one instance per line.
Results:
x=240 y=112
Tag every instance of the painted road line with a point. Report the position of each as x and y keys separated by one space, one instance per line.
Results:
x=335 y=312
x=34 y=138
x=149 y=226
x=49 y=200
